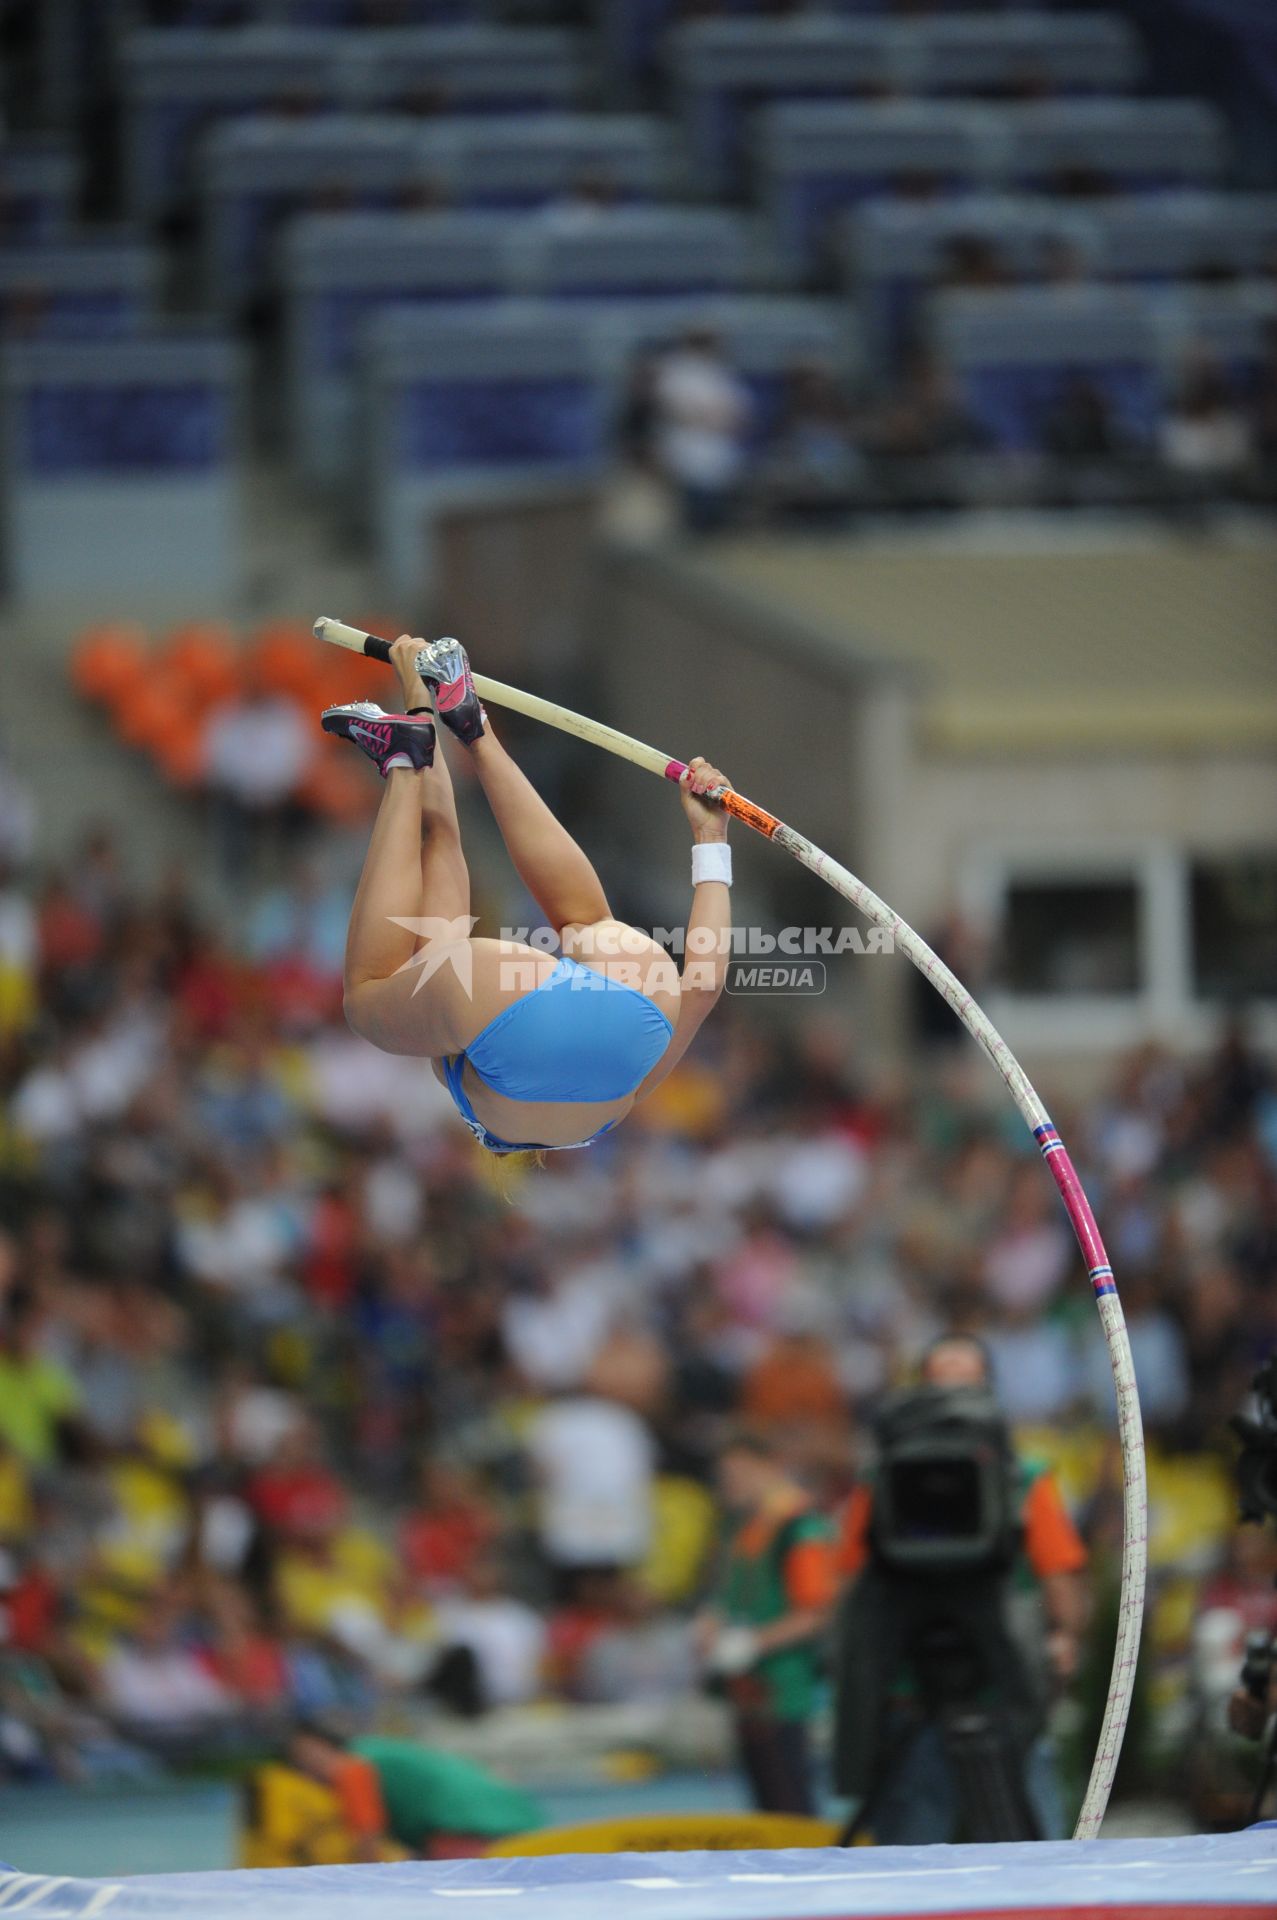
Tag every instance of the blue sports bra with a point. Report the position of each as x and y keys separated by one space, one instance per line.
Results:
x=577 y=1037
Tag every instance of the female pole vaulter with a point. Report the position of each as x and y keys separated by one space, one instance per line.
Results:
x=537 y=1052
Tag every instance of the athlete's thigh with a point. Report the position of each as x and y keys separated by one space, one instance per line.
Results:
x=630 y=957
x=449 y=992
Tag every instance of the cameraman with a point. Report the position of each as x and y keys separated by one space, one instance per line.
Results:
x=1014 y=1635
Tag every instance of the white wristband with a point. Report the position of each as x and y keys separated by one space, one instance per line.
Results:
x=711 y=860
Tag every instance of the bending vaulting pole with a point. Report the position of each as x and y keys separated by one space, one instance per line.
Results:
x=1036 y=1118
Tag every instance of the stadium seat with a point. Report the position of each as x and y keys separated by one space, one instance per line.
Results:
x=339 y=268
x=723 y=68
x=636 y=251
x=1097 y=145
x=1180 y=235
x=178 y=81
x=818 y=157
x=109 y=660
x=81 y=290
x=203 y=656
x=1014 y=351
x=121 y=468
x=466 y=400
x=257 y=170
x=280 y=659
x=39 y=180
x=512 y=161
x=1012 y=52
x=464 y=69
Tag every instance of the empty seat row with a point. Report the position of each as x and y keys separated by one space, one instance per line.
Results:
x=723 y=68
x=257 y=170
x=633 y=32
x=77 y=290
x=176 y=81
x=817 y=158
x=121 y=466
x=337 y=270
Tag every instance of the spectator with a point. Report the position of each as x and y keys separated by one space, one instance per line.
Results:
x=812 y=467
x=643 y=1654
x=39 y=1400
x=256 y=753
x=971 y=260
x=924 y=422
x=158 y=1687
x=702 y=412
x=589 y=197
x=1206 y=441
x=504 y=1639
x=443 y=1537
x=593 y=1461
x=1082 y=435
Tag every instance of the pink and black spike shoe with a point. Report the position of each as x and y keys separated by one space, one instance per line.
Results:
x=446 y=671
x=389 y=739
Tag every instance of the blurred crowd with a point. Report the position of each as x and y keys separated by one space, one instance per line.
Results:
x=689 y=427
x=307 y=1404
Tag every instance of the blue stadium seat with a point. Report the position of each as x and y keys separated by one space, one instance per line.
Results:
x=723 y=68
x=1177 y=235
x=39 y=180
x=337 y=270
x=638 y=251
x=464 y=401
x=178 y=81
x=81 y=290
x=819 y=157
x=257 y=170
x=890 y=250
x=465 y=69
x=632 y=31
x=121 y=463
x=1014 y=352
x=1134 y=145
x=512 y=161
x=1005 y=53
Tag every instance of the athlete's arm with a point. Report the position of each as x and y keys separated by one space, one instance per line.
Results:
x=708 y=943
